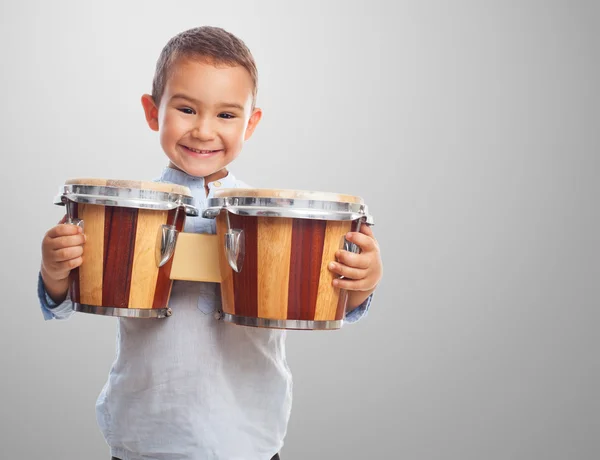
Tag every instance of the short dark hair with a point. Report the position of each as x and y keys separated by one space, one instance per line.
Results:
x=213 y=44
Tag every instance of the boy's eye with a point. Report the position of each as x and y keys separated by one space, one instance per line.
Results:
x=186 y=110
x=227 y=116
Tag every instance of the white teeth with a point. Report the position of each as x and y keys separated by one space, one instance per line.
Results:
x=201 y=151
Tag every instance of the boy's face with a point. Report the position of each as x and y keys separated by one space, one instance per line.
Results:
x=204 y=117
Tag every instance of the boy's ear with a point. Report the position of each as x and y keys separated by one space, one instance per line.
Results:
x=151 y=111
x=252 y=122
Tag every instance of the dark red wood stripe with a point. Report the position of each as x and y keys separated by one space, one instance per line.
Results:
x=164 y=282
x=245 y=284
x=308 y=237
x=120 y=226
x=74 y=275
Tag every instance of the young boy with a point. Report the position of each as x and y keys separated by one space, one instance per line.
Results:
x=190 y=386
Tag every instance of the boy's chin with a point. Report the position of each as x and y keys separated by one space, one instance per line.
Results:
x=191 y=170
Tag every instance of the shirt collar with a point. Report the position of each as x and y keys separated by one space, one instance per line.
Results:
x=179 y=177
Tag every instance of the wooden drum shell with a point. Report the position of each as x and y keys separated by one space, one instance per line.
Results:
x=285 y=282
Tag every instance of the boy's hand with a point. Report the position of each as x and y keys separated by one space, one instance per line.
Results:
x=62 y=251
x=362 y=272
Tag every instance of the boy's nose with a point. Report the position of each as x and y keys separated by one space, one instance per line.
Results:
x=203 y=131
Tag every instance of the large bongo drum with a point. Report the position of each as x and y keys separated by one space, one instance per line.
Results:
x=274 y=249
x=131 y=229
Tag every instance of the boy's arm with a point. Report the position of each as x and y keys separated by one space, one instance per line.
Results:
x=50 y=309
x=358 y=313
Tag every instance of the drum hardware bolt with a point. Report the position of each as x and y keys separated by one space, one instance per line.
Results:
x=218 y=314
x=167 y=239
x=169 y=312
x=368 y=219
x=235 y=248
x=70 y=219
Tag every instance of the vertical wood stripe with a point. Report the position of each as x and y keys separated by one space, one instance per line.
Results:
x=308 y=237
x=90 y=272
x=274 y=244
x=328 y=296
x=245 y=282
x=164 y=282
x=144 y=272
x=119 y=237
x=227 y=291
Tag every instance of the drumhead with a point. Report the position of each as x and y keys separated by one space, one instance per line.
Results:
x=132 y=184
x=287 y=194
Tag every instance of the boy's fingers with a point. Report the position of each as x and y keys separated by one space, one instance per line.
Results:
x=347 y=272
x=352 y=259
x=60 y=270
x=364 y=242
x=351 y=285
x=69 y=265
x=61 y=242
x=64 y=230
x=65 y=254
x=63 y=220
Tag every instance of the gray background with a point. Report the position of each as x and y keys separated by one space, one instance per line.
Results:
x=469 y=128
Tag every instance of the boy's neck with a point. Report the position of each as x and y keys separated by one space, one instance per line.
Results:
x=220 y=174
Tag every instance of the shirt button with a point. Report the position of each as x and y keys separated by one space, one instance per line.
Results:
x=217 y=184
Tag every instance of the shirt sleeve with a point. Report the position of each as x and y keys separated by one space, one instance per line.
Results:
x=50 y=309
x=359 y=312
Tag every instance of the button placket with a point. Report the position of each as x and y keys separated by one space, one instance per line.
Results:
x=201 y=204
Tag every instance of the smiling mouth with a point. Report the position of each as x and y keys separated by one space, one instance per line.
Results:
x=202 y=152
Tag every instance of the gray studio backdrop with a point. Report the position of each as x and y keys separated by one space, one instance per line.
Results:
x=469 y=128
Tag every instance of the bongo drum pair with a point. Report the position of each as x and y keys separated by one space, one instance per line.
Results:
x=270 y=253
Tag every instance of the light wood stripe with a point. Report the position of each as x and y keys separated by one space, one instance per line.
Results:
x=227 y=292
x=274 y=248
x=145 y=272
x=90 y=272
x=328 y=296
x=196 y=258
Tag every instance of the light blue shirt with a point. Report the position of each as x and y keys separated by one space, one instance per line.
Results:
x=190 y=386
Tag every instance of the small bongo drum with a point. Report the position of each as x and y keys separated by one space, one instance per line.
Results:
x=131 y=229
x=275 y=246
